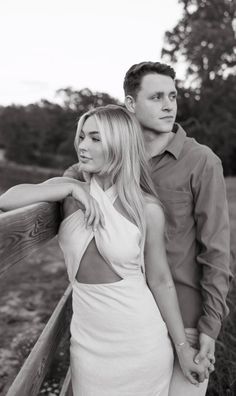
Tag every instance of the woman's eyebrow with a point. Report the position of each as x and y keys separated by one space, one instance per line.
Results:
x=91 y=132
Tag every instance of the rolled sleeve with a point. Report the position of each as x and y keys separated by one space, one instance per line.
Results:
x=213 y=238
x=73 y=172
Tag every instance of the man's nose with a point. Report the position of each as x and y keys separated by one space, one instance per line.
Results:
x=167 y=104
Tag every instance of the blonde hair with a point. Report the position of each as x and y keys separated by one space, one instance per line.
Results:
x=125 y=158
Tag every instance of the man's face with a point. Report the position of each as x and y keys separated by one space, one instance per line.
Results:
x=155 y=106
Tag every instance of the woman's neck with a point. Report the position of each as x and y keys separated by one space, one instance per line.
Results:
x=104 y=181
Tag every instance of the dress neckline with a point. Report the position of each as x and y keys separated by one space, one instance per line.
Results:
x=110 y=192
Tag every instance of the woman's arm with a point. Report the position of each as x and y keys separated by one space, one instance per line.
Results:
x=160 y=282
x=26 y=194
x=53 y=190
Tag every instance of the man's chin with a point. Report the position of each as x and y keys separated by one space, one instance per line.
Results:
x=166 y=128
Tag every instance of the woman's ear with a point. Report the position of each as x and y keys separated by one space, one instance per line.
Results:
x=130 y=103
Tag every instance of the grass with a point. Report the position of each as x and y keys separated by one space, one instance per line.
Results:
x=29 y=293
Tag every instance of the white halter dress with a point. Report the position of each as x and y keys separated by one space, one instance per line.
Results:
x=119 y=341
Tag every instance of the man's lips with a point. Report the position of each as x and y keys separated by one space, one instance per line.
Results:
x=167 y=118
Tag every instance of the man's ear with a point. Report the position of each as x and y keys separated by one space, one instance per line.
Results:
x=130 y=103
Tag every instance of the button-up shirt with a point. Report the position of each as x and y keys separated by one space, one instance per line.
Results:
x=189 y=180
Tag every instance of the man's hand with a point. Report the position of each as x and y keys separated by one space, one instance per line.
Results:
x=207 y=350
x=195 y=373
x=73 y=172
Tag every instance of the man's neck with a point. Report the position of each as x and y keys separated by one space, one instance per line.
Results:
x=156 y=143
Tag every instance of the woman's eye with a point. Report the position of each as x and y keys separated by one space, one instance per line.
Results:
x=81 y=137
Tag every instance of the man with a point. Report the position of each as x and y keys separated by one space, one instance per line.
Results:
x=189 y=180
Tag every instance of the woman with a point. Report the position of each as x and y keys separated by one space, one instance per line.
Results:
x=112 y=236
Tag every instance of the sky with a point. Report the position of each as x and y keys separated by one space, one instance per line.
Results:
x=51 y=44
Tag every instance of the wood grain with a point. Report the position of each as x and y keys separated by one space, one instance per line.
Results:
x=66 y=389
x=23 y=231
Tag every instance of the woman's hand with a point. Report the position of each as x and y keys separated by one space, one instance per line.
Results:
x=195 y=373
x=79 y=191
x=92 y=212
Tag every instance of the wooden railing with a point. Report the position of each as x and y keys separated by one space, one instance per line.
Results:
x=22 y=232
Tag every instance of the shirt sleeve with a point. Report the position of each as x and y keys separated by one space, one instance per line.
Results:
x=213 y=239
x=73 y=172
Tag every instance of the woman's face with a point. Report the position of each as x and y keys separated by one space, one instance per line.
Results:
x=90 y=149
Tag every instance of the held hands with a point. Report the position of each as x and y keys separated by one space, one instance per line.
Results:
x=92 y=212
x=194 y=372
x=207 y=350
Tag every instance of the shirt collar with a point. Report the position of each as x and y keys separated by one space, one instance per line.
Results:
x=176 y=144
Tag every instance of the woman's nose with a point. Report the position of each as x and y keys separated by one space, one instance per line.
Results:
x=83 y=145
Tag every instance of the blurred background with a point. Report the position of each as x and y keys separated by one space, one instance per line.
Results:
x=59 y=58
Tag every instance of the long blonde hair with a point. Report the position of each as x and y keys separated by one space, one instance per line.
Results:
x=126 y=159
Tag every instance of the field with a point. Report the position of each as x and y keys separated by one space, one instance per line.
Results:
x=30 y=292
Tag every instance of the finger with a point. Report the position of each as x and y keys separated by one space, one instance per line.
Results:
x=102 y=220
x=206 y=363
x=87 y=214
x=91 y=218
x=91 y=215
x=191 y=379
x=197 y=358
x=206 y=374
x=211 y=368
x=99 y=216
x=200 y=356
x=201 y=377
x=96 y=219
x=211 y=358
x=95 y=224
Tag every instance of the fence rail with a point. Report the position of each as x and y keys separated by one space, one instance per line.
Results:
x=22 y=232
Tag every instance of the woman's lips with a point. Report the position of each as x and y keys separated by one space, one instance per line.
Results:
x=84 y=159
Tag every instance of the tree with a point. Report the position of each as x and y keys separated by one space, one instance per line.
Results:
x=204 y=38
x=84 y=100
x=43 y=133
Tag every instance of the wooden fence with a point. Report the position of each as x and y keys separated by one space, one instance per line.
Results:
x=22 y=232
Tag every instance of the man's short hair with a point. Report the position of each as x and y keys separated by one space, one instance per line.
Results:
x=134 y=75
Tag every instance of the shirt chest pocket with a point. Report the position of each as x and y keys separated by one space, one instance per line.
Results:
x=177 y=208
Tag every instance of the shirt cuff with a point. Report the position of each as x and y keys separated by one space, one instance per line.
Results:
x=209 y=326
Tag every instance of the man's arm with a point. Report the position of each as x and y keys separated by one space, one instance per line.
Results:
x=73 y=172
x=213 y=236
